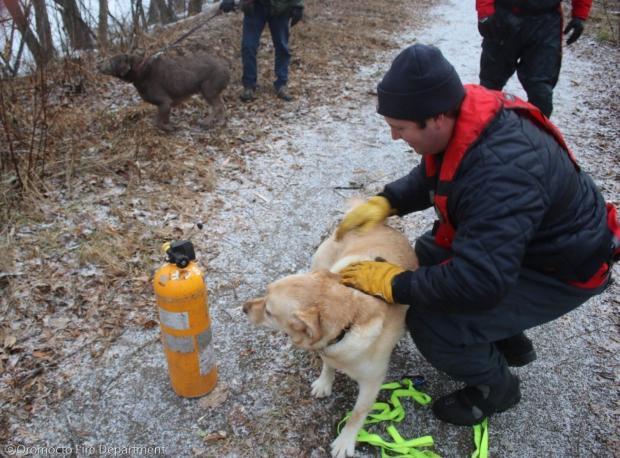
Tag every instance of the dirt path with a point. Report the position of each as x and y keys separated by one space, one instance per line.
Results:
x=266 y=222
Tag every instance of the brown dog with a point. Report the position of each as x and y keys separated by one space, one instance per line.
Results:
x=352 y=331
x=166 y=81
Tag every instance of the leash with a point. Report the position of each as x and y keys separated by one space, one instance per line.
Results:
x=190 y=31
x=393 y=411
x=156 y=54
x=481 y=440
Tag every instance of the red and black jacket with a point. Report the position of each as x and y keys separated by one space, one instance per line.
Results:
x=580 y=8
x=510 y=196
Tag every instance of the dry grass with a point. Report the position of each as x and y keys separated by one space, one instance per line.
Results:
x=604 y=21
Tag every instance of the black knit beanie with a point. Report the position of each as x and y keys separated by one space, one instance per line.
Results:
x=420 y=84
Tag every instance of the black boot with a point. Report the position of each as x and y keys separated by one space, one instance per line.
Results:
x=518 y=350
x=248 y=94
x=472 y=404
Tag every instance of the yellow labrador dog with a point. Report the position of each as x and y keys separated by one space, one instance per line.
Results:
x=352 y=331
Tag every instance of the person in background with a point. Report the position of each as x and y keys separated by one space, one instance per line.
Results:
x=280 y=15
x=523 y=236
x=526 y=36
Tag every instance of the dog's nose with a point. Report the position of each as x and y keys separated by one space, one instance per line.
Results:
x=246 y=307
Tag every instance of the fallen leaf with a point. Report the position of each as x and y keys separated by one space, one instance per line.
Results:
x=215 y=436
x=9 y=341
x=215 y=398
x=41 y=354
x=150 y=324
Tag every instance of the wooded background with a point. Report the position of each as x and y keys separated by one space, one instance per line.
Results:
x=28 y=24
x=47 y=54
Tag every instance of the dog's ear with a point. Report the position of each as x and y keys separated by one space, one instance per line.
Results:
x=252 y=303
x=308 y=322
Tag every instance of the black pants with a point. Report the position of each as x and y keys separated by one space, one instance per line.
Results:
x=461 y=344
x=531 y=46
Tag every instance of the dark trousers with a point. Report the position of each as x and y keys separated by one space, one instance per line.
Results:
x=461 y=344
x=253 y=26
x=531 y=46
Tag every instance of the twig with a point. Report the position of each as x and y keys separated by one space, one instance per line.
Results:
x=356 y=186
x=7 y=132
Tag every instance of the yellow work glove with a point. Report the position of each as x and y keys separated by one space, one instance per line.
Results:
x=365 y=216
x=374 y=278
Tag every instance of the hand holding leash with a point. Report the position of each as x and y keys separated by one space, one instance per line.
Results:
x=227 y=6
x=297 y=14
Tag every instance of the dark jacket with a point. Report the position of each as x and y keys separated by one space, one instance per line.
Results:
x=277 y=7
x=516 y=201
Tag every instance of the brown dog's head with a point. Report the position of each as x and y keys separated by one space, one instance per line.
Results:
x=299 y=306
x=119 y=65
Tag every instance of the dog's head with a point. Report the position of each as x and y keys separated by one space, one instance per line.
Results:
x=119 y=65
x=297 y=305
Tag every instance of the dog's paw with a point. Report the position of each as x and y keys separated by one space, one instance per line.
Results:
x=168 y=128
x=322 y=387
x=343 y=445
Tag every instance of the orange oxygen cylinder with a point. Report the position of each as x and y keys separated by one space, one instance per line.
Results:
x=184 y=321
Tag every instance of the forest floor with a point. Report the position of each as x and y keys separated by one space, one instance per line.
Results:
x=81 y=364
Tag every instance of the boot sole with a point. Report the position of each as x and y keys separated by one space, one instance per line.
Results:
x=522 y=359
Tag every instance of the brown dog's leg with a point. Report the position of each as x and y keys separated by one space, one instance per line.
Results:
x=163 y=116
x=212 y=94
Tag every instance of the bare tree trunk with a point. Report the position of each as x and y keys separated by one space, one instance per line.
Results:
x=138 y=22
x=194 y=7
x=153 y=14
x=44 y=30
x=160 y=12
x=178 y=6
x=21 y=21
x=102 y=27
x=80 y=36
x=139 y=9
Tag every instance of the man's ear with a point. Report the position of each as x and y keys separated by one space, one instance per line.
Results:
x=443 y=121
x=308 y=322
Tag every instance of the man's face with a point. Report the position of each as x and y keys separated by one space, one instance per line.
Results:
x=433 y=139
